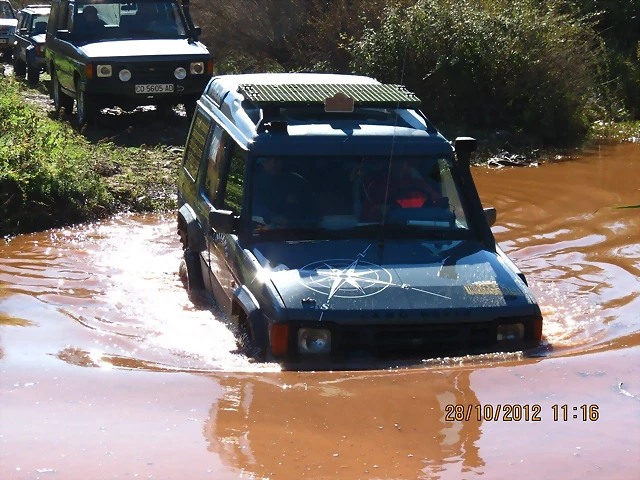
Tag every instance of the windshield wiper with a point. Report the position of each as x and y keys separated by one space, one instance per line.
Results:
x=299 y=233
x=397 y=230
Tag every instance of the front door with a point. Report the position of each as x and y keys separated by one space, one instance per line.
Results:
x=224 y=252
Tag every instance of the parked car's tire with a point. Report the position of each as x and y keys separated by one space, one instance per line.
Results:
x=194 y=277
x=85 y=107
x=60 y=100
x=19 y=67
x=33 y=75
x=190 y=108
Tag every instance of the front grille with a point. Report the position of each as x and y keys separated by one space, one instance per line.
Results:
x=156 y=72
x=401 y=339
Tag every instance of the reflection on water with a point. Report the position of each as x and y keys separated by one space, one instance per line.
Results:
x=332 y=426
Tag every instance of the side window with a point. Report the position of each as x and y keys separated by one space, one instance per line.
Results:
x=448 y=189
x=195 y=145
x=214 y=159
x=234 y=188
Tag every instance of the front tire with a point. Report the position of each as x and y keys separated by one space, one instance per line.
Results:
x=60 y=100
x=19 y=67
x=33 y=75
x=85 y=107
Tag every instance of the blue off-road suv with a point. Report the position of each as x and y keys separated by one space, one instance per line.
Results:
x=330 y=219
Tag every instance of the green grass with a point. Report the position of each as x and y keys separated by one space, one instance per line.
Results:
x=52 y=176
x=617 y=131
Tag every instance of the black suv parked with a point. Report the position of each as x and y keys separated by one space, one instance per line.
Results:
x=28 y=52
x=8 y=24
x=106 y=52
x=329 y=218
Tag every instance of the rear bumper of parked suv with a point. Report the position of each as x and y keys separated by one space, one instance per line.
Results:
x=6 y=43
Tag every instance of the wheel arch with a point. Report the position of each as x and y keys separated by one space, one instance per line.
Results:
x=246 y=307
x=189 y=227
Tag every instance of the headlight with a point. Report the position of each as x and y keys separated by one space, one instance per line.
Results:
x=104 y=70
x=124 y=75
x=197 y=68
x=314 y=340
x=511 y=331
x=180 y=73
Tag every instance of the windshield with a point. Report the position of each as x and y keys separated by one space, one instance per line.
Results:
x=6 y=12
x=115 y=20
x=411 y=195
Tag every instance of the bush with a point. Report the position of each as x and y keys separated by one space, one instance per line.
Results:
x=47 y=175
x=493 y=64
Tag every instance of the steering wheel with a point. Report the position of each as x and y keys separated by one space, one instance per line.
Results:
x=405 y=197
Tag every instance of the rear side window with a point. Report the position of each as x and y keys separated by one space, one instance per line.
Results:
x=214 y=157
x=195 y=145
x=234 y=192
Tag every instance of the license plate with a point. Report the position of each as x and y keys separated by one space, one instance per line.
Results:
x=4 y=40
x=155 y=88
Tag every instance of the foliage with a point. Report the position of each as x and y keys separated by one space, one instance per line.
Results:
x=50 y=175
x=493 y=64
x=46 y=171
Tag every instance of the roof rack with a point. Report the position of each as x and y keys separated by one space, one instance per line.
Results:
x=306 y=95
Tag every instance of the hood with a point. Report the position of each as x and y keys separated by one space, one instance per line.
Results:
x=354 y=281
x=8 y=22
x=143 y=48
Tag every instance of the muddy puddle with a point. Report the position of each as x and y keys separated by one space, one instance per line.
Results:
x=109 y=370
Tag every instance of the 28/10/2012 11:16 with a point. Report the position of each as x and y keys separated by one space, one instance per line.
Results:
x=519 y=412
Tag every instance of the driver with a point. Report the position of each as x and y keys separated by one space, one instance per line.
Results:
x=281 y=197
x=406 y=189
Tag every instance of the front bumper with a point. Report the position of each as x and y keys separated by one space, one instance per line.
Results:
x=403 y=341
x=159 y=73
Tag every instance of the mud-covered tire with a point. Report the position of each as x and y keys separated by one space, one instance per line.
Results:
x=33 y=75
x=193 y=274
x=60 y=100
x=86 y=110
x=19 y=67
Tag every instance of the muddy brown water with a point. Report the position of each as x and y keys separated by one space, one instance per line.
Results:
x=109 y=370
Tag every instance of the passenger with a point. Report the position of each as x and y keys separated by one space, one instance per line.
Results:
x=280 y=197
x=401 y=187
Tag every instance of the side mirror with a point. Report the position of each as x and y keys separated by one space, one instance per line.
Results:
x=63 y=35
x=24 y=30
x=197 y=31
x=464 y=147
x=490 y=214
x=222 y=221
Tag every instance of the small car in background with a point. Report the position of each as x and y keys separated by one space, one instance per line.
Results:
x=29 y=46
x=8 y=23
x=117 y=53
x=329 y=219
